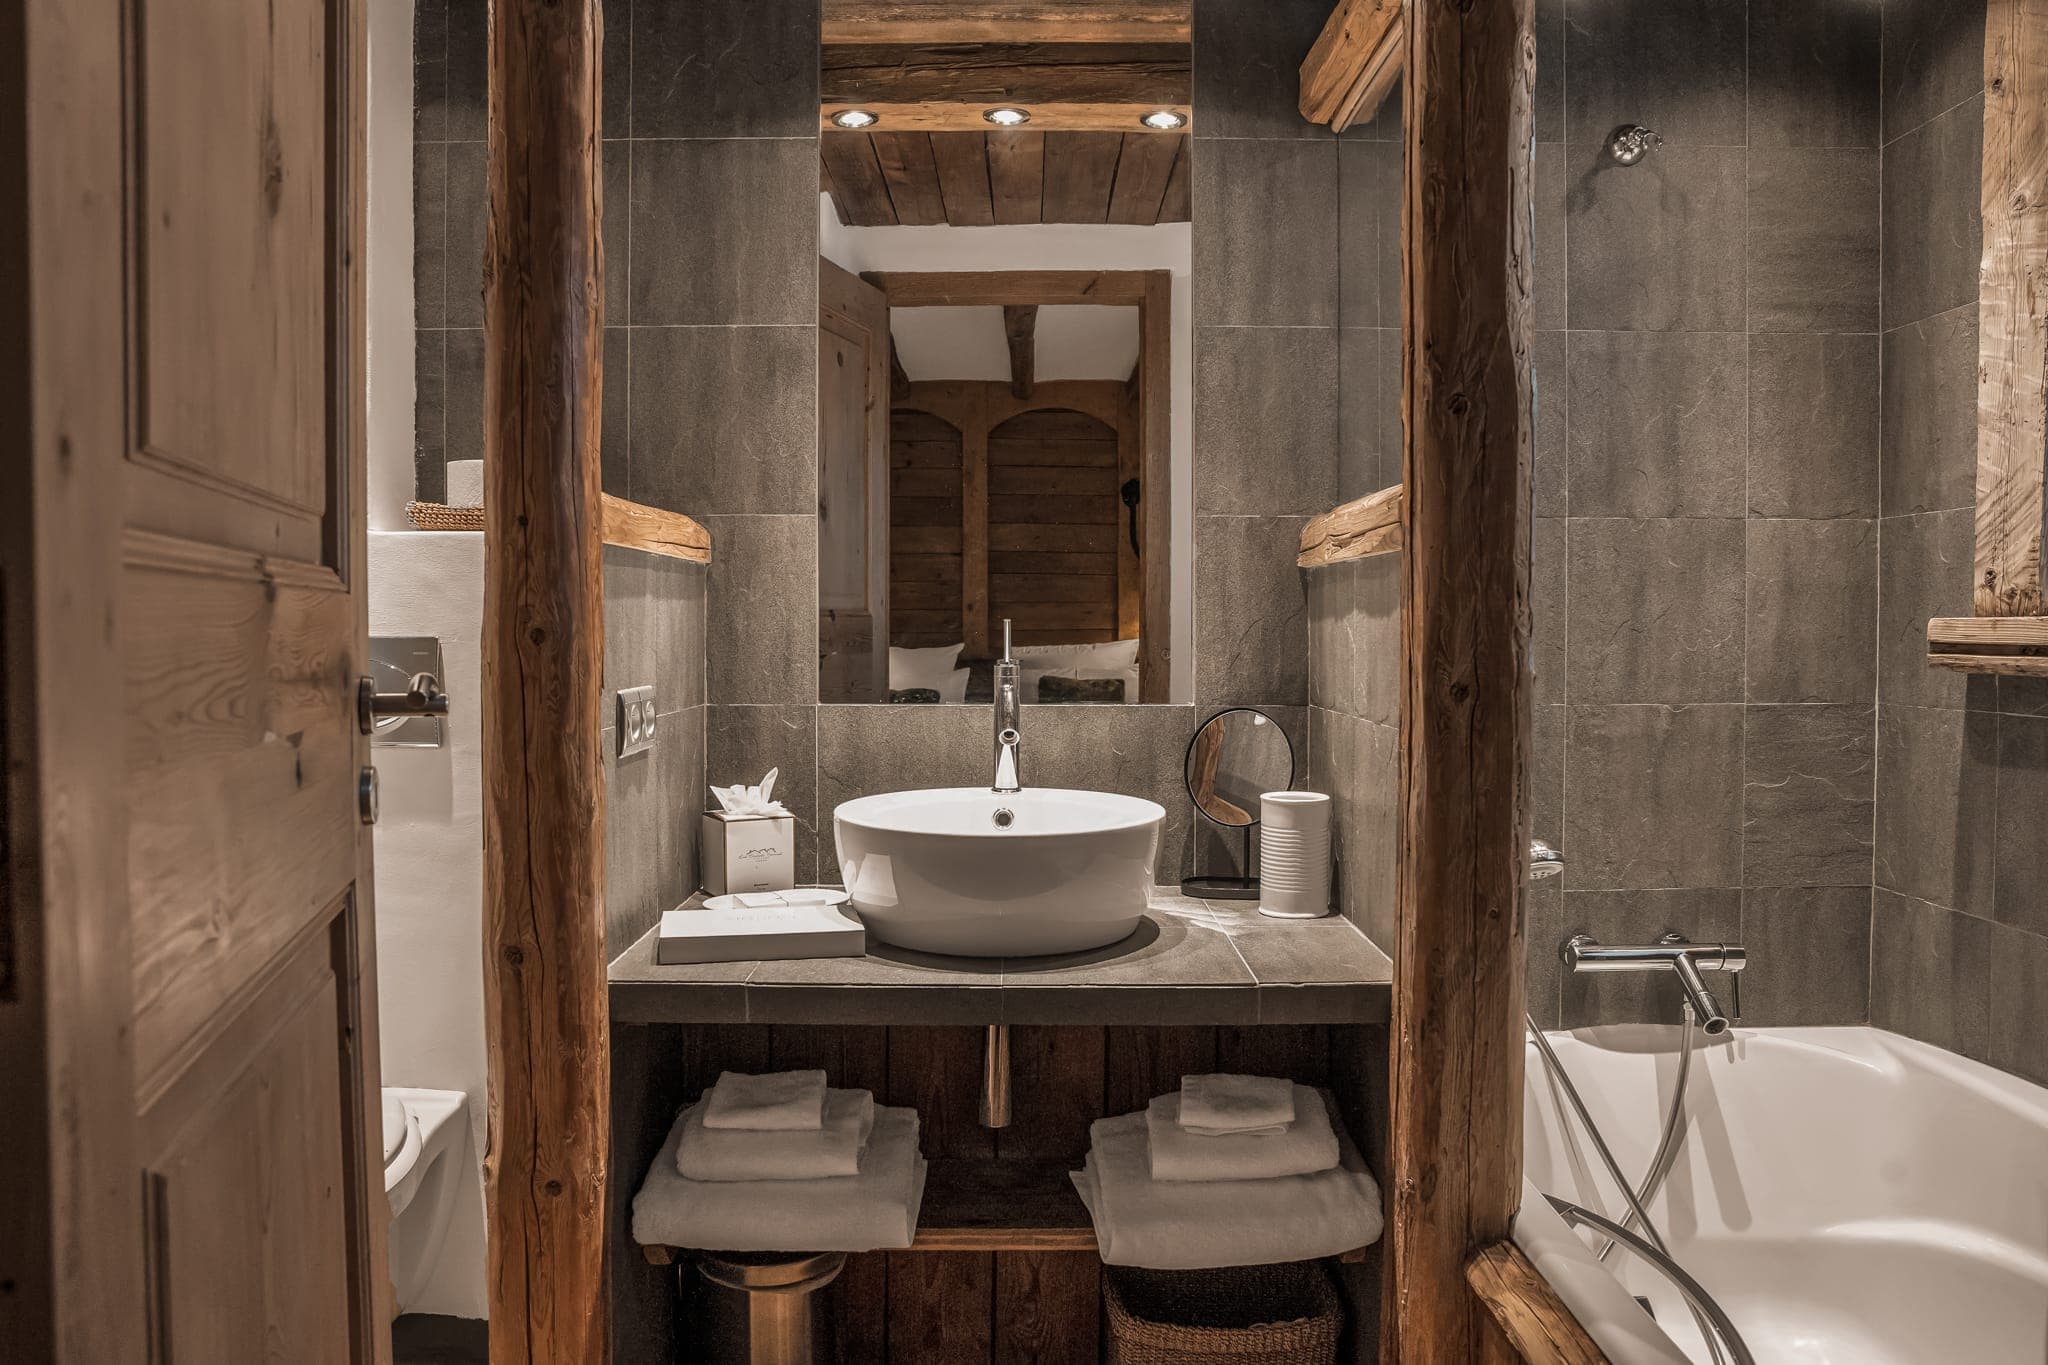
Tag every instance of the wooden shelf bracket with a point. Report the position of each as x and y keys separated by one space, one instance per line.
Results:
x=1359 y=529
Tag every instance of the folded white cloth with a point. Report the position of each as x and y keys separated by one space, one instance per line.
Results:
x=1195 y=1225
x=1303 y=1147
x=1221 y=1104
x=788 y=1154
x=871 y=1211
x=779 y=1100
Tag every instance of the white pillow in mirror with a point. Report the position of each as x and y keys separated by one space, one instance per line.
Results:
x=953 y=691
x=932 y=667
x=1115 y=659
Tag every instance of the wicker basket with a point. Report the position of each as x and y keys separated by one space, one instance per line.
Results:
x=1194 y=1317
x=434 y=516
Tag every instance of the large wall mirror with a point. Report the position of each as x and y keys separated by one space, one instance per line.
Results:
x=1003 y=377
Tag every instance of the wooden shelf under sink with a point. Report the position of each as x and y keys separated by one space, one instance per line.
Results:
x=984 y=1204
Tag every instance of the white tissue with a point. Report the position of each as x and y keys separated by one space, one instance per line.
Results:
x=742 y=800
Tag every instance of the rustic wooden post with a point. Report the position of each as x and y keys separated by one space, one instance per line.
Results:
x=1457 y=1012
x=543 y=650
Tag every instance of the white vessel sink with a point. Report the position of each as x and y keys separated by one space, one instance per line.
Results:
x=962 y=870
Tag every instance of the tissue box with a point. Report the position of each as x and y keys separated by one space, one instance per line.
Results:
x=748 y=852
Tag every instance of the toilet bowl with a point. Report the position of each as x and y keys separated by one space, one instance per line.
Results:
x=426 y=1146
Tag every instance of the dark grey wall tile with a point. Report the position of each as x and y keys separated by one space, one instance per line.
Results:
x=1543 y=973
x=1265 y=420
x=763 y=610
x=1656 y=611
x=1355 y=638
x=863 y=750
x=679 y=777
x=1368 y=410
x=1813 y=426
x=429 y=234
x=1332 y=670
x=1248 y=67
x=751 y=207
x=1549 y=110
x=464 y=393
x=1806 y=803
x=1135 y=750
x=1930 y=973
x=615 y=106
x=2018 y=1005
x=1678 y=70
x=614 y=435
x=725 y=419
x=1251 y=611
x=1925 y=567
x=1356 y=761
x=743 y=742
x=1813 y=258
x=2021 y=842
x=1809 y=956
x=681 y=592
x=631 y=631
x=1547 y=619
x=1930 y=413
x=430 y=71
x=632 y=872
x=1658 y=246
x=1656 y=424
x=725 y=70
x=1811 y=620
x=1653 y=796
x=1547 y=727
x=1551 y=190
x=1933 y=59
x=2023 y=696
x=613 y=227
x=1813 y=74
x=1936 y=805
x=468 y=225
x=1551 y=379
x=429 y=415
x=468 y=63
x=1265 y=224
x=1369 y=227
x=1932 y=223
x=1704 y=916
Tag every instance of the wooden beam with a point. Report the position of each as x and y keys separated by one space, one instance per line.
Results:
x=1457 y=1026
x=634 y=526
x=543 y=659
x=1020 y=328
x=1143 y=168
x=2012 y=310
x=994 y=288
x=1366 y=526
x=1155 y=506
x=1064 y=85
x=1529 y=1313
x=2016 y=646
x=934 y=22
x=1016 y=175
x=899 y=378
x=963 y=178
x=859 y=191
x=1354 y=63
x=912 y=175
x=1080 y=173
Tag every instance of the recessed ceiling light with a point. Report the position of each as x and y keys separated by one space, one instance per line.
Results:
x=855 y=118
x=1164 y=120
x=1007 y=117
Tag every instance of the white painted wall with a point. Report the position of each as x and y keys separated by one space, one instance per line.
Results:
x=1067 y=246
x=428 y=842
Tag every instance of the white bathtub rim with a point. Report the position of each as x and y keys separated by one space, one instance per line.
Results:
x=1600 y=1302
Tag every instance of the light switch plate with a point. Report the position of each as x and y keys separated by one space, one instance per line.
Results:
x=635 y=720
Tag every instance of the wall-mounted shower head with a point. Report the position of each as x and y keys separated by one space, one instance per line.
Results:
x=1632 y=142
x=1544 y=860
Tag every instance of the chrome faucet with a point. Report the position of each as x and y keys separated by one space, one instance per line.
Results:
x=1009 y=690
x=1673 y=953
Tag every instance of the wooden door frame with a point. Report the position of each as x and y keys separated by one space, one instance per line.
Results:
x=1151 y=293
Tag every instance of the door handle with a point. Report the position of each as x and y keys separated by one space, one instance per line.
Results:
x=1129 y=493
x=423 y=697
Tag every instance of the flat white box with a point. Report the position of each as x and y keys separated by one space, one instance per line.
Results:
x=748 y=852
x=775 y=933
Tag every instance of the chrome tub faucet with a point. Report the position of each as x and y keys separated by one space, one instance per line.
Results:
x=1673 y=953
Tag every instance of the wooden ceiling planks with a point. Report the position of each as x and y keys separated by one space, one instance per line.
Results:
x=911 y=22
x=1064 y=85
x=977 y=179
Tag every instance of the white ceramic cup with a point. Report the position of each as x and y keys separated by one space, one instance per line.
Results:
x=1294 y=855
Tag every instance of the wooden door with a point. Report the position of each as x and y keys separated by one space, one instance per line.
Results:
x=853 y=488
x=198 y=1005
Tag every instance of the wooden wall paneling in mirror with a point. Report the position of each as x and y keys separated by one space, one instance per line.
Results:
x=853 y=488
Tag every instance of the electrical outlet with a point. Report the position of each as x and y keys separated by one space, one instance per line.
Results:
x=636 y=720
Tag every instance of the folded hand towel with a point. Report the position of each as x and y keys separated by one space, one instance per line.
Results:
x=1303 y=1147
x=1194 y=1225
x=1215 y=1105
x=791 y=1154
x=778 y=1100
x=871 y=1211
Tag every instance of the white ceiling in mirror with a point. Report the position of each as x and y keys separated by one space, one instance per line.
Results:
x=1073 y=341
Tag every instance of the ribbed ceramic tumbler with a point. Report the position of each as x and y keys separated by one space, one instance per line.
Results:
x=1294 y=855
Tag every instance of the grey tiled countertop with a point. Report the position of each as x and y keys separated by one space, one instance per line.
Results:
x=1190 y=962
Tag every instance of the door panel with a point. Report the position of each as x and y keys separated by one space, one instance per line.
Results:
x=853 y=488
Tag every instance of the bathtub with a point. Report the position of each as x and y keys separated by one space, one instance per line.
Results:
x=1848 y=1196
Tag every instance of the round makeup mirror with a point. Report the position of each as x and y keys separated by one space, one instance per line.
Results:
x=1236 y=757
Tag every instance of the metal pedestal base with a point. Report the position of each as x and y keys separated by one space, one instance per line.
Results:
x=778 y=1286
